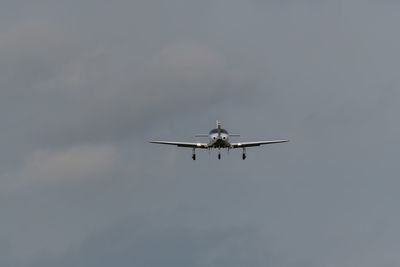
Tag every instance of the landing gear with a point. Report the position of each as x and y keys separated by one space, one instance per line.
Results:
x=244 y=154
x=193 y=154
x=219 y=153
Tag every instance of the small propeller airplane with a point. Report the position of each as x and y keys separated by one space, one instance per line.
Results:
x=218 y=138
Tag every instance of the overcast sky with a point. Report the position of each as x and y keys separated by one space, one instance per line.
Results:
x=85 y=84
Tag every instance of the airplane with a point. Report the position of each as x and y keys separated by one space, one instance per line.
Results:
x=218 y=138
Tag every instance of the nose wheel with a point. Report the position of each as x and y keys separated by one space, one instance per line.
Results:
x=219 y=156
x=244 y=154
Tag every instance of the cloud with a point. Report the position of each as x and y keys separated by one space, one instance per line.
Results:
x=52 y=188
x=69 y=165
x=189 y=61
x=154 y=243
x=77 y=92
x=32 y=52
x=81 y=94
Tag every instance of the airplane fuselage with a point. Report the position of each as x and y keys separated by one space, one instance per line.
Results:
x=219 y=139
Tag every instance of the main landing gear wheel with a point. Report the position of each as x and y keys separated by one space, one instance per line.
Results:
x=219 y=156
x=243 y=156
x=194 y=156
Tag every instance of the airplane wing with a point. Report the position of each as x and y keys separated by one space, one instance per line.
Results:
x=258 y=143
x=181 y=144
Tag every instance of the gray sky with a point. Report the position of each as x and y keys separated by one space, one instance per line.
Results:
x=85 y=84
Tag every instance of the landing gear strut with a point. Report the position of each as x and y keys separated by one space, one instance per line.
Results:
x=219 y=153
x=244 y=154
x=193 y=154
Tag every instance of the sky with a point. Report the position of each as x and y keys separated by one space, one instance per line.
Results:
x=85 y=84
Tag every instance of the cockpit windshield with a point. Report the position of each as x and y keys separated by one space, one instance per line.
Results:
x=214 y=131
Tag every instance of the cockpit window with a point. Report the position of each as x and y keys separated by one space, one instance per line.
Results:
x=214 y=131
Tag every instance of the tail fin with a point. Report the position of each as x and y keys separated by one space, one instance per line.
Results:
x=219 y=128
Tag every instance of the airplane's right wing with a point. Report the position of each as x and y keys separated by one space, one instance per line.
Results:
x=257 y=143
x=181 y=144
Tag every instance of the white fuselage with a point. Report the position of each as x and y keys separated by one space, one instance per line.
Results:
x=219 y=140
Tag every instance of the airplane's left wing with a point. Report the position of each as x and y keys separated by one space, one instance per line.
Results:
x=181 y=144
x=257 y=143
